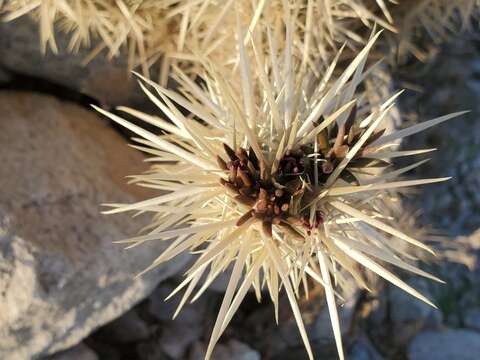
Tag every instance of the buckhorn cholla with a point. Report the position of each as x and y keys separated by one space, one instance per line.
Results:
x=278 y=179
x=164 y=31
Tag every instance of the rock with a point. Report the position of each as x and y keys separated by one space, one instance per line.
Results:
x=362 y=349
x=317 y=322
x=323 y=332
x=78 y=352
x=126 y=329
x=164 y=310
x=445 y=345
x=472 y=319
x=460 y=269
x=4 y=76
x=406 y=308
x=449 y=84
x=410 y=315
x=182 y=332
x=236 y=350
x=149 y=350
x=378 y=311
x=197 y=351
x=233 y=350
x=105 y=80
x=60 y=274
x=220 y=284
x=178 y=336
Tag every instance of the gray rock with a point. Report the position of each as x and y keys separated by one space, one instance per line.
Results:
x=127 y=328
x=197 y=351
x=106 y=80
x=449 y=84
x=362 y=349
x=182 y=332
x=220 y=284
x=164 y=310
x=445 y=345
x=322 y=330
x=472 y=319
x=4 y=76
x=78 y=352
x=317 y=322
x=410 y=315
x=178 y=337
x=406 y=308
x=149 y=351
x=233 y=350
x=378 y=311
x=60 y=275
x=238 y=351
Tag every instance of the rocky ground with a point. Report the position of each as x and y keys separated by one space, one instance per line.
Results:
x=67 y=292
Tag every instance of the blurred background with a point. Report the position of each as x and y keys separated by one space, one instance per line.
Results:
x=67 y=292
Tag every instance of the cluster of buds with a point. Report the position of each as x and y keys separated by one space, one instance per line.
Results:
x=272 y=200
x=281 y=198
x=292 y=164
x=334 y=144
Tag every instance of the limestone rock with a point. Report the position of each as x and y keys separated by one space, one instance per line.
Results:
x=445 y=345
x=60 y=274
